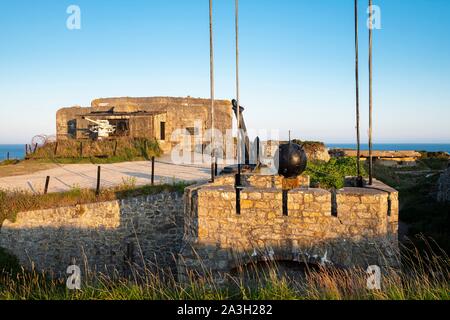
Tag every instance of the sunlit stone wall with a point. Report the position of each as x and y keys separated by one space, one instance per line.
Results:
x=348 y=227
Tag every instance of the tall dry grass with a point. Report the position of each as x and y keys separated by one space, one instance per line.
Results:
x=420 y=278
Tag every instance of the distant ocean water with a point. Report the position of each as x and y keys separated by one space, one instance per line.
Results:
x=430 y=147
x=17 y=151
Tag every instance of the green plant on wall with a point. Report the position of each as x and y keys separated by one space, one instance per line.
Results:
x=332 y=174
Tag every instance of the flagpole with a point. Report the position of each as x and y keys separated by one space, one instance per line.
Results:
x=370 y=91
x=211 y=61
x=358 y=133
x=238 y=91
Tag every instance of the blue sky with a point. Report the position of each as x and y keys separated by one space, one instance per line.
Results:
x=297 y=61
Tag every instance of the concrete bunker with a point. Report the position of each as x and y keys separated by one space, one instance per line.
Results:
x=154 y=118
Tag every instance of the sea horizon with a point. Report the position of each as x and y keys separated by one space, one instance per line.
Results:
x=17 y=151
x=429 y=147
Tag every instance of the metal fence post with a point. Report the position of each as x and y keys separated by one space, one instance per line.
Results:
x=97 y=192
x=153 y=171
x=47 y=182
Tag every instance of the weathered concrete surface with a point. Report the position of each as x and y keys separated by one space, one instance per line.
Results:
x=176 y=113
x=65 y=177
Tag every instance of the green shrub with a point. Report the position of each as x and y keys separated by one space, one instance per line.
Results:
x=435 y=163
x=332 y=174
x=419 y=210
x=435 y=155
x=8 y=262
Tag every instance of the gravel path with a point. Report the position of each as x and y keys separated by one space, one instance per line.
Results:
x=66 y=177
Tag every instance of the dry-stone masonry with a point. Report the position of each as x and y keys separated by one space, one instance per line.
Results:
x=106 y=237
x=349 y=227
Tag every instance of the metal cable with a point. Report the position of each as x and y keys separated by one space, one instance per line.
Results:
x=370 y=91
x=358 y=135
x=237 y=87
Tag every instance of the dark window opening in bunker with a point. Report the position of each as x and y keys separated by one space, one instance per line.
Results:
x=162 y=131
x=72 y=128
x=122 y=127
x=192 y=131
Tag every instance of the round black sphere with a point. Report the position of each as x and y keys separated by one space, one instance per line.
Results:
x=290 y=160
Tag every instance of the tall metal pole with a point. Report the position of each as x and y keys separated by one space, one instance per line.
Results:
x=370 y=91
x=238 y=91
x=358 y=134
x=152 y=179
x=97 y=191
x=211 y=61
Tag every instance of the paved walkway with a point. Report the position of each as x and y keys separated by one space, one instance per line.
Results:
x=66 y=177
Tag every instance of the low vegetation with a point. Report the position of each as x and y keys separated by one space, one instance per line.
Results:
x=310 y=146
x=8 y=263
x=419 y=210
x=19 y=201
x=435 y=155
x=104 y=151
x=332 y=174
x=9 y=162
